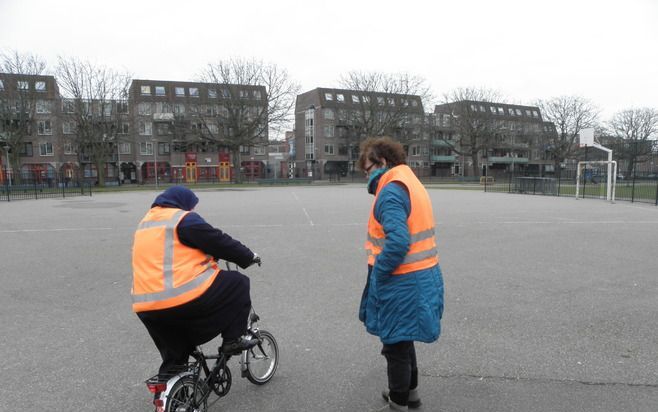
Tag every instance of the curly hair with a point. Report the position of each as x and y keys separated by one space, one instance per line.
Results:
x=377 y=148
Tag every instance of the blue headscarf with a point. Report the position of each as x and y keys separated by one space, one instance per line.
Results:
x=177 y=196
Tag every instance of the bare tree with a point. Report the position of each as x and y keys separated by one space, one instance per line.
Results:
x=374 y=116
x=18 y=104
x=570 y=115
x=255 y=100
x=633 y=130
x=475 y=130
x=91 y=94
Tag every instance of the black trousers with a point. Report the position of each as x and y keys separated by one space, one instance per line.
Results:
x=223 y=308
x=402 y=370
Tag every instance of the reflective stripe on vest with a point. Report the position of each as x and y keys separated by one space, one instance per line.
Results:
x=197 y=263
x=422 y=252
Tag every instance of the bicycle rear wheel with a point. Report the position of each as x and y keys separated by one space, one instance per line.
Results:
x=183 y=397
x=263 y=359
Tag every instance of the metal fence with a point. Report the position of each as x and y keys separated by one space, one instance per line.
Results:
x=38 y=186
x=639 y=187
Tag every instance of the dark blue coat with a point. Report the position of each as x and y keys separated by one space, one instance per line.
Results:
x=405 y=307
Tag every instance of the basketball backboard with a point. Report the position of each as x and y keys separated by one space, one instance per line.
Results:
x=586 y=137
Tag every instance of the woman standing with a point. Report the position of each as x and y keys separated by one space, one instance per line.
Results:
x=402 y=300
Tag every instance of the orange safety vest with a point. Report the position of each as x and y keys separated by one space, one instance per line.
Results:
x=422 y=252
x=167 y=273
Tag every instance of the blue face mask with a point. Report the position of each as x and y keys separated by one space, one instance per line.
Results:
x=373 y=178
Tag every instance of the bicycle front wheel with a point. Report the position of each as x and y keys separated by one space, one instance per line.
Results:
x=263 y=359
x=184 y=398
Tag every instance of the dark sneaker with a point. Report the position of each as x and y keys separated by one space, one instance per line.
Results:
x=234 y=347
x=413 y=402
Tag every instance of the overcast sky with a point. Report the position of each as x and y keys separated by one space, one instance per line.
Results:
x=603 y=50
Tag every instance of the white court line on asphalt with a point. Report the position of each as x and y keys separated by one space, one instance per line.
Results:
x=573 y=222
x=75 y=229
x=303 y=209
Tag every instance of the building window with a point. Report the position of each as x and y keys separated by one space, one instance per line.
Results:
x=244 y=94
x=122 y=107
x=244 y=149
x=124 y=148
x=328 y=114
x=414 y=103
x=365 y=99
x=145 y=128
x=124 y=128
x=328 y=131
x=179 y=108
x=67 y=128
x=414 y=150
x=68 y=106
x=340 y=98
x=163 y=148
x=2 y=84
x=68 y=148
x=391 y=101
x=535 y=113
x=146 y=90
x=46 y=149
x=226 y=93
x=43 y=106
x=23 y=85
x=194 y=91
x=26 y=150
x=107 y=109
x=528 y=112
x=482 y=109
x=146 y=148
x=329 y=149
x=212 y=128
x=501 y=111
x=328 y=97
x=493 y=109
x=380 y=101
x=40 y=86
x=355 y=99
x=212 y=93
x=257 y=95
x=259 y=150
x=519 y=112
x=511 y=111
x=180 y=91
x=144 y=109
x=45 y=127
x=159 y=90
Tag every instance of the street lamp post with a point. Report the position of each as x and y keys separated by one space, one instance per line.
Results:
x=8 y=167
x=155 y=159
x=119 y=163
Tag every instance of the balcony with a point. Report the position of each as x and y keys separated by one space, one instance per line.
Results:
x=508 y=160
x=163 y=117
x=443 y=159
x=443 y=143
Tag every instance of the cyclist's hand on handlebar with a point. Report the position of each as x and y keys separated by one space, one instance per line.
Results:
x=256 y=259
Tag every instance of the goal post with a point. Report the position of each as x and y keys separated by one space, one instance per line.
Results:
x=611 y=180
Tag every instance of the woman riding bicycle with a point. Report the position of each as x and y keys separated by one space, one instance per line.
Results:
x=179 y=292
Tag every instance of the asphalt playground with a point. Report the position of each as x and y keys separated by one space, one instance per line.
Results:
x=551 y=303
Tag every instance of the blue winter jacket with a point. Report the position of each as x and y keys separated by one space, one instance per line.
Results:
x=405 y=307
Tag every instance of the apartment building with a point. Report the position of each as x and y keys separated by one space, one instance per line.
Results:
x=178 y=127
x=30 y=130
x=509 y=138
x=330 y=124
